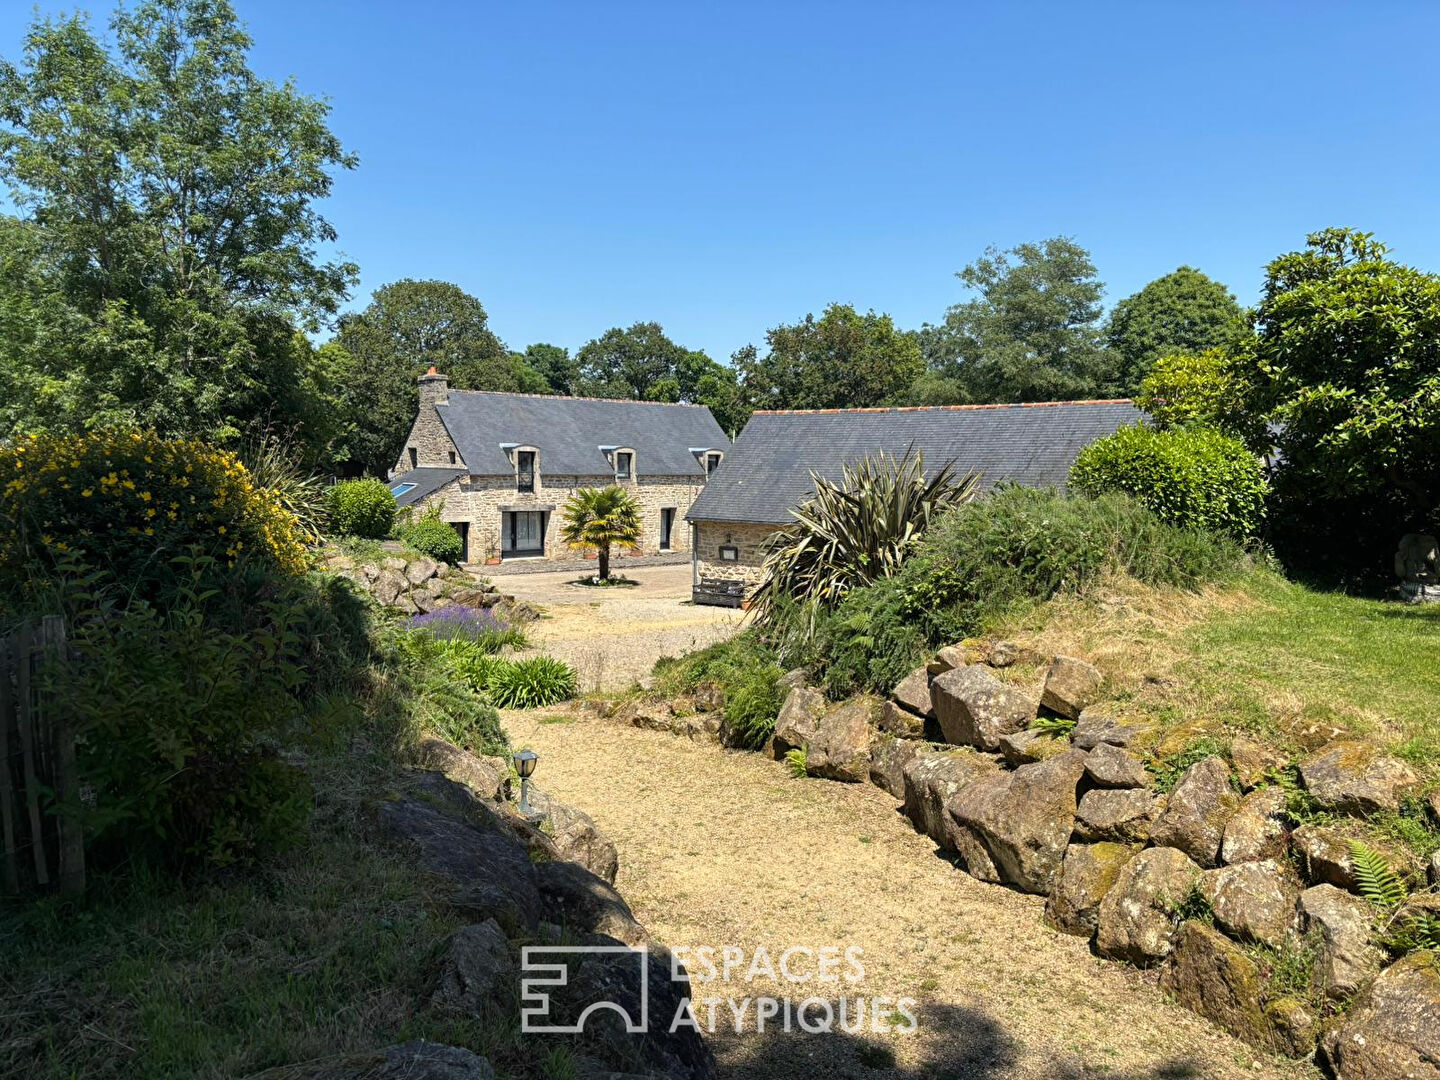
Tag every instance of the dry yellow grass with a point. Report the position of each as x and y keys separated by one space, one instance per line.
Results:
x=724 y=848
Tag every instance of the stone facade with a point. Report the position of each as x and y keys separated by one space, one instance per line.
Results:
x=479 y=502
x=710 y=536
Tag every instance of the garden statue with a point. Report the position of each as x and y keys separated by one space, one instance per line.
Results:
x=1417 y=565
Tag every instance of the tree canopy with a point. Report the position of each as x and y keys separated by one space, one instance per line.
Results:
x=1031 y=334
x=1182 y=312
x=170 y=245
x=408 y=326
x=1345 y=364
x=842 y=359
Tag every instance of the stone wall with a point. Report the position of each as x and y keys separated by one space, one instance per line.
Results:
x=428 y=438
x=712 y=535
x=478 y=500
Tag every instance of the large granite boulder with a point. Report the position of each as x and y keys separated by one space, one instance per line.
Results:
x=1356 y=777
x=1211 y=975
x=1252 y=901
x=1029 y=746
x=417 y=1060
x=576 y=836
x=900 y=722
x=1013 y=828
x=1112 y=722
x=1200 y=807
x=1393 y=1031
x=798 y=720
x=1257 y=831
x=840 y=747
x=1071 y=686
x=1125 y=815
x=1137 y=915
x=618 y=979
x=586 y=904
x=477 y=973
x=888 y=758
x=1254 y=761
x=933 y=780
x=974 y=708
x=913 y=692
x=1087 y=875
x=489 y=869
x=1108 y=766
x=1341 y=923
x=487 y=777
x=1323 y=854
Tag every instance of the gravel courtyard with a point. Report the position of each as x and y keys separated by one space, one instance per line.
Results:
x=612 y=636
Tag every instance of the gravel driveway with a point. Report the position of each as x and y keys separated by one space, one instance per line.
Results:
x=613 y=636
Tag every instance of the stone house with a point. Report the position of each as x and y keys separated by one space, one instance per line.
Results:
x=768 y=470
x=501 y=466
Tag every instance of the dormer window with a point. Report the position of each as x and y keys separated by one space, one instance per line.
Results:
x=525 y=470
x=624 y=465
x=712 y=462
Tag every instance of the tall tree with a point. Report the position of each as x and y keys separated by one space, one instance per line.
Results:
x=842 y=359
x=1182 y=312
x=1345 y=365
x=408 y=326
x=175 y=234
x=554 y=365
x=1032 y=333
x=628 y=363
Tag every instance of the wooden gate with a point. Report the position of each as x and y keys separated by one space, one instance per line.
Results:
x=39 y=849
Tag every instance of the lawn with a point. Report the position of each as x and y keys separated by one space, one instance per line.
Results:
x=1264 y=656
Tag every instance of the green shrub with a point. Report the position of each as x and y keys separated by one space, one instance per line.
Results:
x=745 y=670
x=126 y=504
x=362 y=508
x=439 y=685
x=529 y=684
x=1192 y=477
x=182 y=714
x=433 y=537
x=1012 y=549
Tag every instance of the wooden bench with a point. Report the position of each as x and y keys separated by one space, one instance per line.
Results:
x=717 y=592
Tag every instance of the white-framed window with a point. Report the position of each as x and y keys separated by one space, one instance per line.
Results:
x=525 y=469
x=712 y=462
x=624 y=464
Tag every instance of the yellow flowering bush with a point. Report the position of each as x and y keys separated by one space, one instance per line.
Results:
x=128 y=502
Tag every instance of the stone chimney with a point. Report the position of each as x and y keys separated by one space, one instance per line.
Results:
x=434 y=388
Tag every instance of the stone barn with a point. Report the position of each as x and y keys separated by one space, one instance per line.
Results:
x=768 y=470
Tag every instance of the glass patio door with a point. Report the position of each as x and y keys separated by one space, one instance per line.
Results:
x=522 y=533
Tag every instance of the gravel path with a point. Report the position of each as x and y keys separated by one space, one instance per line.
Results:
x=612 y=636
x=724 y=848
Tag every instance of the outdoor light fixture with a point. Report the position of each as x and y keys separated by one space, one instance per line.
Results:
x=525 y=762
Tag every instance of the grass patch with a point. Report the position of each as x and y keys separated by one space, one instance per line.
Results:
x=1263 y=656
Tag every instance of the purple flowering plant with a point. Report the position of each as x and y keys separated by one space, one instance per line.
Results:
x=459 y=623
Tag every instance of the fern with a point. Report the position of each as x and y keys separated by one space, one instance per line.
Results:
x=1415 y=930
x=1054 y=726
x=795 y=762
x=1376 y=878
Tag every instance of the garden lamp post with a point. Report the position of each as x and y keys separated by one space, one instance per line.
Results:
x=525 y=762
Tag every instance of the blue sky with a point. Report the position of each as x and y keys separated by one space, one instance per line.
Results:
x=724 y=168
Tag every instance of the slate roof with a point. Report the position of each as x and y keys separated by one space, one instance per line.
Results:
x=427 y=481
x=570 y=431
x=768 y=469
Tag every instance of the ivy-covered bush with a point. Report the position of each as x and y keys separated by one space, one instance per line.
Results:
x=125 y=504
x=1193 y=477
x=433 y=537
x=362 y=508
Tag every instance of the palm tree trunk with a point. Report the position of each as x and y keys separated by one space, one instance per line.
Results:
x=604 y=562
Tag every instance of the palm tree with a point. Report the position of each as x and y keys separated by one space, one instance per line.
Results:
x=599 y=517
